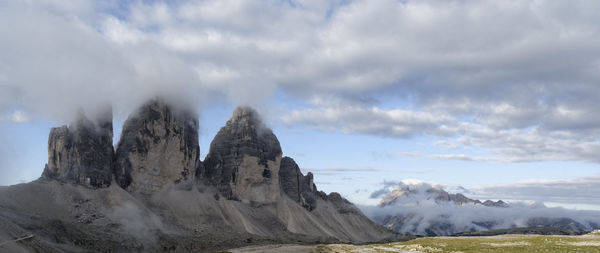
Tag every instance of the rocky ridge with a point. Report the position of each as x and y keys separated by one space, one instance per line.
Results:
x=438 y=195
x=297 y=186
x=165 y=199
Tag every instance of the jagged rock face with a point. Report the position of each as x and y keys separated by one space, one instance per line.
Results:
x=498 y=203
x=82 y=152
x=158 y=146
x=298 y=187
x=290 y=178
x=244 y=160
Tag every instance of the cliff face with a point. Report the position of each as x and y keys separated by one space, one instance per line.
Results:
x=158 y=146
x=244 y=159
x=298 y=187
x=82 y=152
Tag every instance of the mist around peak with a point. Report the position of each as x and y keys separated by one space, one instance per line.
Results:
x=427 y=209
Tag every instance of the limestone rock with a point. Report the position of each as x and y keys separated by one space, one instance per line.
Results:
x=244 y=159
x=290 y=178
x=298 y=187
x=158 y=146
x=82 y=152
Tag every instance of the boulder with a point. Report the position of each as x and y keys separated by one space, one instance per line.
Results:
x=244 y=160
x=82 y=152
x=158 y=146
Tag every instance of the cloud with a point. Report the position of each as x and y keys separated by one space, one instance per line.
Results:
x=462 y=157
x=365 y=120
x=335 y=171
x=415 y=202
x=409 y=154
x=403 y=187
x=534 y=143
x=583 y=191
x=579 y=191
x=516 y=78
x=340 y=169
x=19 y=117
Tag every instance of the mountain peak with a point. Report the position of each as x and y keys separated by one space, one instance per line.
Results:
x=244 y=159
x=246 y=113
x=81 y=152
x=158 y=146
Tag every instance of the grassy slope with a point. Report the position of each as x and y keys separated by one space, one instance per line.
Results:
x=503 y=243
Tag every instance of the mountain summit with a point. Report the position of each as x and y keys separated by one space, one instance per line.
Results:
x=244 y=159
x=82 y=152
x=158 y=146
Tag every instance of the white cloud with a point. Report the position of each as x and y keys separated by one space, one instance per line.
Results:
x=517 y=78
x=119 y=32
x=409 y=154
x=368 y=120
x=335 y=171
x=421 y=212
x=582 y=191
x=19 y=117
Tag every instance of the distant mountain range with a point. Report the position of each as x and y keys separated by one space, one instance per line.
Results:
x=427 y=209
x=436 y=194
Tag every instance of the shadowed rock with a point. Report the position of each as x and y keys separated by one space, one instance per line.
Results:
x=290 y=178
x=158 y=146
x=341 y=204
x=298 y=187
x=82 y=152
x=244 y=159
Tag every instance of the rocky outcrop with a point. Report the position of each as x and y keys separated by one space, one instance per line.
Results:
x=435 y=193
x=341 y=204
x=158 y=146
x=290 y=178
x=82 y=153
x=444 y=196
x=498 y=203
x=298 y=187
x=244 y=160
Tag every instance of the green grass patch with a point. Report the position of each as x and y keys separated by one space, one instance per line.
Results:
x=502 y=243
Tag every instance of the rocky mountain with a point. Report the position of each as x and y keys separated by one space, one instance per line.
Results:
x=429 y=210
x=158 y=146
x=297 y=186
x=82 y=152
x=164 y=198
x=244 y=159
x=434 y=193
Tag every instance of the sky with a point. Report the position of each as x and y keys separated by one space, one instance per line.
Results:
x=498 y=97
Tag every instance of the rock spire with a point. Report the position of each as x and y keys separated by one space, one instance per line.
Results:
x=82 y=152
x=244 y=159
x=158 y=146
